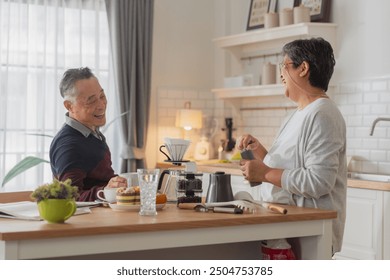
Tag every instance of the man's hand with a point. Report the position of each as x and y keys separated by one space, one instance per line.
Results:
x=117 y=182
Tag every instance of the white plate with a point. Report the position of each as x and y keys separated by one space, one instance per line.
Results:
x=117 y=207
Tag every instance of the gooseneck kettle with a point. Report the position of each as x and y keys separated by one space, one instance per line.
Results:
x=220 y=188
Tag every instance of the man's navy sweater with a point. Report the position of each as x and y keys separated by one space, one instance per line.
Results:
x=85 y=160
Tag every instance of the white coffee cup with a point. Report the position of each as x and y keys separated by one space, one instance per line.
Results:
x=109 y=194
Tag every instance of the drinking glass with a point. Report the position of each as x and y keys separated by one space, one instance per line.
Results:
x=148 y=180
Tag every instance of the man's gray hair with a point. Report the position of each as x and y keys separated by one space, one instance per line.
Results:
x=71 y=76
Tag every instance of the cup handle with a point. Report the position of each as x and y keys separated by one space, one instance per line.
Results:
x=163 y=146
x=98 y=195
x=72 y=209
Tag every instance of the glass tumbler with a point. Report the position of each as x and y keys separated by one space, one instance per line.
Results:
x=148 y=181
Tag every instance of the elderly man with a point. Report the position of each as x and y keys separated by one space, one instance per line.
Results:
x=79 y=150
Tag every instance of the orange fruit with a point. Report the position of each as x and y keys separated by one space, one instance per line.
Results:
x=161 y=198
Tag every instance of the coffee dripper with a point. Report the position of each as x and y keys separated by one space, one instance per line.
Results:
x=176 y=149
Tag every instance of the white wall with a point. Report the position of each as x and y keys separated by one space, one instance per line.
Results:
x=363 y=38
x=182 y=63
x=363 y=76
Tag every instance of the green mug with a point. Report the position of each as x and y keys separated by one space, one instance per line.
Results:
x=56 y=210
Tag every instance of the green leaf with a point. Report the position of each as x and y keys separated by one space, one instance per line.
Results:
x=21 y=167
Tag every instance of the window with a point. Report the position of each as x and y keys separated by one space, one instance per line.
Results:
x=39 y=40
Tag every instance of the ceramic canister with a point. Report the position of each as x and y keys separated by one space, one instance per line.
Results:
x=271 y=20
x=301 y=14
x=269 y=74
x=286 y=17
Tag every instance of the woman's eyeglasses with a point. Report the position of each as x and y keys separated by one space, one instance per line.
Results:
x=283 y=65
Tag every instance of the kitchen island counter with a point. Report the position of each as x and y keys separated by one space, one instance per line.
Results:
x=108 y=231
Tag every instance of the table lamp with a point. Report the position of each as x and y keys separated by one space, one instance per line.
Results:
x=188 y=119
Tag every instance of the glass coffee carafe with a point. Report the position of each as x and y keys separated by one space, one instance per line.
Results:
x=168 y=187
x=180 y=186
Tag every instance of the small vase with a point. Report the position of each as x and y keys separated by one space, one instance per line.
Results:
x=56 y=210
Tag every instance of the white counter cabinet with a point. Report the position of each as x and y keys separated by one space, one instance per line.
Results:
x=367 y=228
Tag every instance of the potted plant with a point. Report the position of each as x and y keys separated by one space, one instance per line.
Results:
x=56 y=200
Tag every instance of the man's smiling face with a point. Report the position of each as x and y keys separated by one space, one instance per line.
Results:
x=90 y=105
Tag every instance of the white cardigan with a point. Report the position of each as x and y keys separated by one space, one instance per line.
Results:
x=319 y=175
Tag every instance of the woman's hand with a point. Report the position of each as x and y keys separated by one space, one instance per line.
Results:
x=257 y=171
x=253 y=170
x=248 y=142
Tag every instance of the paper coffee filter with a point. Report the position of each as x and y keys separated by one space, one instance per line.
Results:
x=177 y=141
x=176 y=147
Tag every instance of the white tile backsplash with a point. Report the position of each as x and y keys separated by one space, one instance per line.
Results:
x=367 y=100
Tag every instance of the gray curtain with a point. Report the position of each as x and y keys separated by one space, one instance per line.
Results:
x=131 y=29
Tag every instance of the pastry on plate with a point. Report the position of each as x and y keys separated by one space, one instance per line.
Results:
x=128 y=196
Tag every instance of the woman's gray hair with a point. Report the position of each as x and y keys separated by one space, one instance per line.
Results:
x=71 y=76
x=318 y=53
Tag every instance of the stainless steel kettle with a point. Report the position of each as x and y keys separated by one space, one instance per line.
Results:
x=220 y=188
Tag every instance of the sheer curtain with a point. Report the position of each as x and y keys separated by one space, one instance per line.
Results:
x=39 y=40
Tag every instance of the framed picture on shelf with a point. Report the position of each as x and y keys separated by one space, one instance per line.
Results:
x=319 y=9
x=286 y=4
x=257 y=10
x=272 y=7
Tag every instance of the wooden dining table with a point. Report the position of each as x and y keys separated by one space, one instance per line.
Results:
x=125 y=234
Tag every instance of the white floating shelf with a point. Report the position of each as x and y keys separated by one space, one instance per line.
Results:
x=274 y=90
x=250 y=91
x=266 y=41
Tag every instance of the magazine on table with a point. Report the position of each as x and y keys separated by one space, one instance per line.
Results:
x=28 y=210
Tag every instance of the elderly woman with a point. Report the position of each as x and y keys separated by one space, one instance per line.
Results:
x=306 y=165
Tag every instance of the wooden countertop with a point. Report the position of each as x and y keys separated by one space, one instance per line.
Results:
x=212 y=166
x=104 y=220
x=371 y=185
